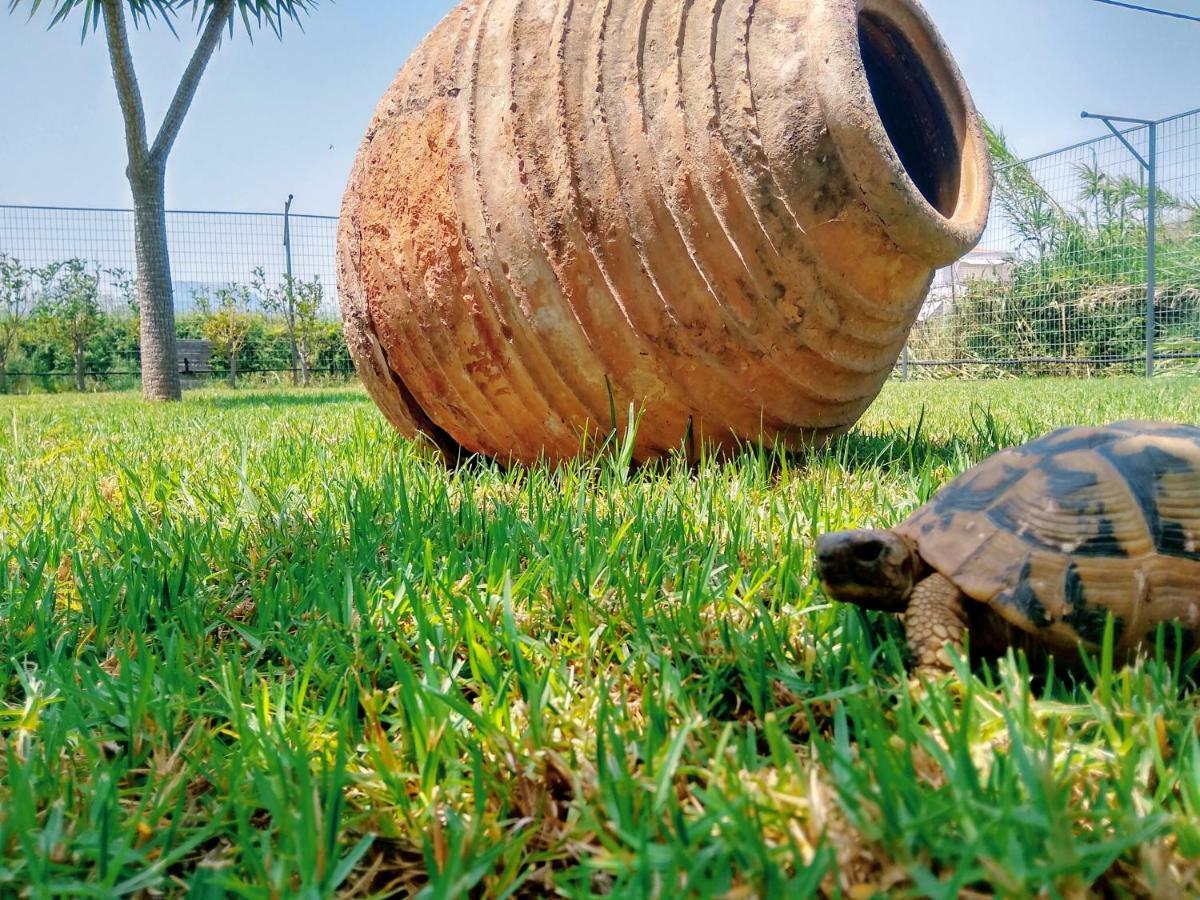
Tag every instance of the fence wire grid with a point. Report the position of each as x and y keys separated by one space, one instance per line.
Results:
x=209 y=250
x=1059 y=283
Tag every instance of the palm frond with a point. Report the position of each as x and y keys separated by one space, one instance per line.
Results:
x=256 y=15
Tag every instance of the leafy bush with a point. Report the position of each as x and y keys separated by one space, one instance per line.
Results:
x=226 y=323
x=54 y=327
x=268 y=346
x=16 y=284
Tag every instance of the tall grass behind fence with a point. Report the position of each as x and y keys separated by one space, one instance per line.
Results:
x=1060 y=280
x=1058 y=283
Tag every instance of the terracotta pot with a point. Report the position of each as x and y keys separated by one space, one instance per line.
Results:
x=724 y=212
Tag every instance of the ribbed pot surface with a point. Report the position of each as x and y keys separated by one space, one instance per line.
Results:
x=724 y=213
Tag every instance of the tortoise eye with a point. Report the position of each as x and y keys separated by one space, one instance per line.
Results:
x=869 y=551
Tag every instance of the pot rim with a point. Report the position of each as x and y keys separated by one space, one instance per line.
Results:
x=863 y=142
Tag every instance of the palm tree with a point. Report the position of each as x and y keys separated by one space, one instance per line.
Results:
x=148 y=160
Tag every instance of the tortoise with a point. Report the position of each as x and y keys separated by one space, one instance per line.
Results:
x=1037 y=545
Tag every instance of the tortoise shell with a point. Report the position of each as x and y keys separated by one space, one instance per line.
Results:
x=1056 y=534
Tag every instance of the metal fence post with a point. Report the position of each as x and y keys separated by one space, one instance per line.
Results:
x=1151 y=251
x=287 y=253
x=1150 y=164
x=287 y=234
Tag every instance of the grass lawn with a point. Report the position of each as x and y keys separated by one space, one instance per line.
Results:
x=258 y=645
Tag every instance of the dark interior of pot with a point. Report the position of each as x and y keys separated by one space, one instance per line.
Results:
x=912 y=110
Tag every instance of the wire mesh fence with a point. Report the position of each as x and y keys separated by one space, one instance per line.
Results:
x=209 y=250
x=1061 y=281
x=213 y=255
x=1059 y=284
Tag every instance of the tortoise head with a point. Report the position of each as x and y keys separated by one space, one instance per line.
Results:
x=872 y=569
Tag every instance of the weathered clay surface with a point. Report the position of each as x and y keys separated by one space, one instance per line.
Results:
x=694 y=206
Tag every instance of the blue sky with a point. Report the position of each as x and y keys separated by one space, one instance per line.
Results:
x=276 y=118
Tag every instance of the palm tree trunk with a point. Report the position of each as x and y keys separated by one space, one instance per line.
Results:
x=155 y=294
x=147 y=175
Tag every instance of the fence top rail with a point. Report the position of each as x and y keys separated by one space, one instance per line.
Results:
x=1096 y=140
x=174 y=212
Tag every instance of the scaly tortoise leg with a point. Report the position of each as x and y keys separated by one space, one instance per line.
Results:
x=935 y=618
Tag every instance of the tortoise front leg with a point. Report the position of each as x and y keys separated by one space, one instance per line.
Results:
x=935 y=619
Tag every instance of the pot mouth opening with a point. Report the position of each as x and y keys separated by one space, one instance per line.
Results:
x=903 y=123
x=927 y=134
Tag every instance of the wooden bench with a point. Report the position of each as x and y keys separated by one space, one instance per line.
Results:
x=195 y=357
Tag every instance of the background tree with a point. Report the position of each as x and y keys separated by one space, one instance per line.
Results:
x=68 y=309
x=227 y=323
x=15 y=282
x=308 y=296
x=299 y=304
x=148 y=161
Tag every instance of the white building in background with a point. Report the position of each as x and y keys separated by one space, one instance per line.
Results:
x=978 y=265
